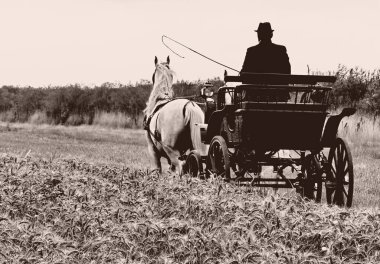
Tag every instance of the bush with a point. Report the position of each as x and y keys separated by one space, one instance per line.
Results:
x=113 y=120
x=39 y=117
x=358 y=88
x=8 y=116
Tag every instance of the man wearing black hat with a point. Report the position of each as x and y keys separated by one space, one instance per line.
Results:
x=266 y=57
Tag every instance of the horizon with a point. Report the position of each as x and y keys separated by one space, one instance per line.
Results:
x=91 y=42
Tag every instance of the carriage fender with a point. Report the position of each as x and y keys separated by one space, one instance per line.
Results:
x=202 y=130
x=332 y=124
x=213 y=127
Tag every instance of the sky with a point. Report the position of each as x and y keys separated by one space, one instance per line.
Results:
x=60 y=42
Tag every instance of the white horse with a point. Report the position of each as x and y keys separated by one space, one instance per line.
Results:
x=171 y=130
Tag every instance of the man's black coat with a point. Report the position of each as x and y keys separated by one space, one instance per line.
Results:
x=266 y=58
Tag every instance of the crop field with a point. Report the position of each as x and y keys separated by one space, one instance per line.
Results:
x=87 y=195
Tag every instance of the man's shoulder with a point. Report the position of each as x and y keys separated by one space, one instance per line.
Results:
x=253 y=48
x=279 y=47
x=272 y=45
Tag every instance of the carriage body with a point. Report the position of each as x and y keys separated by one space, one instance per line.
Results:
x=272 y=112
x=266 y=123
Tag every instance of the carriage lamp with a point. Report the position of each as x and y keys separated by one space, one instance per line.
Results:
x=206 y=91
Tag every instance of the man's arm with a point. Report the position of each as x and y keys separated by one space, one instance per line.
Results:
x=286 y=63
x=246 y=62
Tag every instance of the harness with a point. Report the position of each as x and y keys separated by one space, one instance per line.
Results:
x=147 y=119
x=160 y=104
x=157 y=107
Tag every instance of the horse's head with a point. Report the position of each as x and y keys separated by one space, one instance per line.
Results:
x=162 y=84
x=162 y=70
x=163 y=77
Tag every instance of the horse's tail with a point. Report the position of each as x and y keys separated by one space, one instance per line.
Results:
x=194 y=115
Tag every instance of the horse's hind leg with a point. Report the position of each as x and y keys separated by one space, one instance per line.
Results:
x=157 y=162
x=174 y=155
x=171 y=166
x=155 y=156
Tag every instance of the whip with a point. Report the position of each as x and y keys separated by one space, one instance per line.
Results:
x=204 y=56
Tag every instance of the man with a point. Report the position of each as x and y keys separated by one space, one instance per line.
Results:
x=266 y=57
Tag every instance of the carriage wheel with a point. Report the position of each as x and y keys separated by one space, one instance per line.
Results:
x=312 y=188
x=194 y=165
x=340 y=176
x=219 y=158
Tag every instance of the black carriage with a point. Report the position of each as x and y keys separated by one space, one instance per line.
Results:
x=255 y=121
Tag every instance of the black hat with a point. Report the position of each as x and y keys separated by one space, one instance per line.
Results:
x=264 y=27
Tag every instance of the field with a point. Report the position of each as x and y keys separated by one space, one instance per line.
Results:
x=86 y=195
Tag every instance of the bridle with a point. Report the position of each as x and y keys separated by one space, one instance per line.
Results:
x=154 y=73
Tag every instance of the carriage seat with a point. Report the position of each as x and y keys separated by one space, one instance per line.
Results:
x=282 y=106
x=279 y=98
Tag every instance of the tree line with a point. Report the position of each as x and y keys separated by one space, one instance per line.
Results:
x=76 y=104
x=358 y=88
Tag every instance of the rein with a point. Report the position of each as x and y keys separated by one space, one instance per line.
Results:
x=196 y=52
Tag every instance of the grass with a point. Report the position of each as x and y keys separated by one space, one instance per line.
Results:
x=100 y=119
x=363 y=135
x=127 y=147
x=86 y=195
x=70 y=211
x=91 y=143
x=116 y=120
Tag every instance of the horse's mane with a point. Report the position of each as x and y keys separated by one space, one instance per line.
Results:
x=162 y=86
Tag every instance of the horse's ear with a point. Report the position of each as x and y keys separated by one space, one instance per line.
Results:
x=168 y=60
x=155 y=60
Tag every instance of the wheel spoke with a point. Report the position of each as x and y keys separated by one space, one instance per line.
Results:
x=336 y=166
x=345 y=156
x=345 y=192
x=346 y=171
x=335 y=156
x=338 y=151
x=339 y=178
x=344 y=161
x=340 y=159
